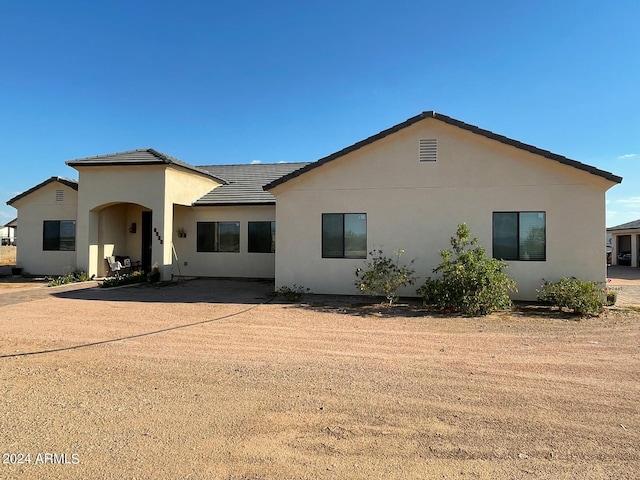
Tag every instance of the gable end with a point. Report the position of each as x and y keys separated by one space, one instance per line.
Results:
x=457 y=123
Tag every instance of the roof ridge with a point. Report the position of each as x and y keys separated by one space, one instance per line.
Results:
x=105 y=155
x=250 y=164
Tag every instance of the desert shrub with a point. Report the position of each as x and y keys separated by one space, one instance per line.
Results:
x=470 y=283
x=126 y=279
x=383 y=276
x=292 y=294
x=72 y=277
x=579 y=296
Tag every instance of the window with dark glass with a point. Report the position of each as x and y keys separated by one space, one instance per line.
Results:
x=218 y=237
x=59 y=235
x=344 y=235
x=519 y=236
x=262 y=237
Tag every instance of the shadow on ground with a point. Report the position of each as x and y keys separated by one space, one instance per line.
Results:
x=201 y=290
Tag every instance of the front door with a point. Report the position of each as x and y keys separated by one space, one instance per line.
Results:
x=146 y=241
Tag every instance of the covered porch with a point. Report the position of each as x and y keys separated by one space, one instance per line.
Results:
x=121 y=230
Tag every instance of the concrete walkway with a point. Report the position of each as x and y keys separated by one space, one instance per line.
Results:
x=29 y=294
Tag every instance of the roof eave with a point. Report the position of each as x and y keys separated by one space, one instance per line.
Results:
x=234 y=204
x=162 y=162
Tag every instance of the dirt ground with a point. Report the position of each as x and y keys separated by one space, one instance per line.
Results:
x=329 y=389
x=7 y=255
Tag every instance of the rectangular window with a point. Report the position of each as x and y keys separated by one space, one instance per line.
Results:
x=344 y=235
x=218 y=237
x=262 y=237
x=59 y=235
x=519 y=236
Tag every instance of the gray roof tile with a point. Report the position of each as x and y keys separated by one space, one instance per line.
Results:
x=243 y=183
x=625 y=226
x=144 y=156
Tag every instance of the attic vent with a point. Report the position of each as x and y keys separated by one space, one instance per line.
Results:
x=59 y=195
x=428 y=149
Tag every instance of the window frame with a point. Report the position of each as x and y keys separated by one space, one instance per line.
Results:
x=56 y=242
x=251 y=243
x=519 y=257
x=344 y=252
x=216 y=247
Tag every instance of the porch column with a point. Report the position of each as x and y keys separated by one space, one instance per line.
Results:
x=87 y=241
x=614 y=249
x=634 y=250
x=94 y=245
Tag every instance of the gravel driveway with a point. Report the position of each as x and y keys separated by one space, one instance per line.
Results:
x=208 y=379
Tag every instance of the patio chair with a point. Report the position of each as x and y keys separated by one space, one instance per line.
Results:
x=118 y=264
x=114 y=266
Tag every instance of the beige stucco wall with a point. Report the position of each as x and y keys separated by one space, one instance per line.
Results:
x=417 y=207
x=33 y=210
x=221 y=264
x=103 y=228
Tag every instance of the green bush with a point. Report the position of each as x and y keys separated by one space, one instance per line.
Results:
x=470 y=282
x=72 y=277
x=579 y=296
x=384 y=276
x=126 y=279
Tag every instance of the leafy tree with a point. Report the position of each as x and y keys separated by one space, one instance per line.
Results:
x=470 y=282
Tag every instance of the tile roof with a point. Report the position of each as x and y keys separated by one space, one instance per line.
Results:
x=625 y=226
x=451 y=121
x=244 y=183
x=65 y=181
x=144 y=156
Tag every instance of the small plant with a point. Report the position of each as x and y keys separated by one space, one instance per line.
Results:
x=292 y=294
x=384 y=276
x=471 y=283
x=74 y=276
x=154 y=275
x=127 y=279
x=612 y=294
x=579 y=296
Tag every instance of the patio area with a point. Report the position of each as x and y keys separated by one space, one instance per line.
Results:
x=626 y=281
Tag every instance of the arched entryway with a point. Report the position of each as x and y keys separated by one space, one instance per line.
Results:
x=124 y=230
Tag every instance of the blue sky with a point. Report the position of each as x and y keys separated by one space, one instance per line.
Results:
x=236 y=82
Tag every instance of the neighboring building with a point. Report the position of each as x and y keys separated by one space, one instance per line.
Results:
x=625 y=244
x=407 y=187
x=8 y=233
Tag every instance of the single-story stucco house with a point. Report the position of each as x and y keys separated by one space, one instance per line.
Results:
x=625 y=244
x=407 y=187
x=8 y=232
